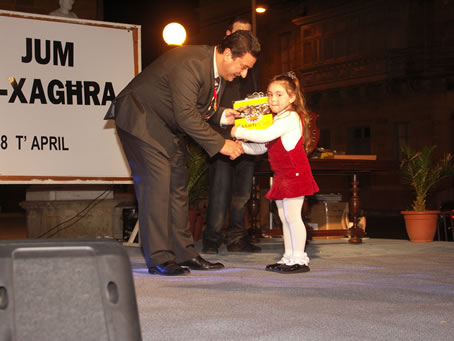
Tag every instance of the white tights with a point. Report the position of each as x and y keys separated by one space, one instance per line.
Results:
x=294 y=231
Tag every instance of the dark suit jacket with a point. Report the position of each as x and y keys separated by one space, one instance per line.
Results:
x=170 y=97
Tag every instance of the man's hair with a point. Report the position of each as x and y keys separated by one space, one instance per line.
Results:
x=240 y=19
x=240 y=43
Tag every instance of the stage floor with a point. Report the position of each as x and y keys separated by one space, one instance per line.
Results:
x=381 y=289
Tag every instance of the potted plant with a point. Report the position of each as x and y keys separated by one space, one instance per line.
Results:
x=422 y=174
x=197 y=169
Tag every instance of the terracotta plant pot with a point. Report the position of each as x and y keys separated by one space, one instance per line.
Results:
x=421 y=226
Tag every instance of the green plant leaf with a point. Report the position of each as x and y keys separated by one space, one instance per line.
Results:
x=421 y=174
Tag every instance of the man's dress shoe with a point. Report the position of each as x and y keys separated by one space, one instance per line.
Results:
x=198 y=263
x=168 y=269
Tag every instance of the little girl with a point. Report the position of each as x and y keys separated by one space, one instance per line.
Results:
x=292 y=178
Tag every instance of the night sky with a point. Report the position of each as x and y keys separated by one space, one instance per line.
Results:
x=152 y=15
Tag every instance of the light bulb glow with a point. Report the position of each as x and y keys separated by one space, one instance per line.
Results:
x=174 y=34
x=261 y=9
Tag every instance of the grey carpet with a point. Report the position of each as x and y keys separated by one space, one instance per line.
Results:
x=378 y=290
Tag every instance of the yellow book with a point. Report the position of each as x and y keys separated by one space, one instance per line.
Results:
x=255 y=113
x=255 y=121
x=249 y=102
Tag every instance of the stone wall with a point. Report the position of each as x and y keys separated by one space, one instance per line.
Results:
x=75 y=218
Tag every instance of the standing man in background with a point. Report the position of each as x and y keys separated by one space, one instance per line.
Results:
x=230 y=180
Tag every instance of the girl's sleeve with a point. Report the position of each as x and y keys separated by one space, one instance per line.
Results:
x=254 y=148
x=280 y=127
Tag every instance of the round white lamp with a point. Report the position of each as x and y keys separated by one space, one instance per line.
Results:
x=174 y=34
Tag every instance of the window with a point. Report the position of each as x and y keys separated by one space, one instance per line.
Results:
x=308 y=51
x=310 y=40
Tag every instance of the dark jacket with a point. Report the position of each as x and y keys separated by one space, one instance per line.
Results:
x=170 y=97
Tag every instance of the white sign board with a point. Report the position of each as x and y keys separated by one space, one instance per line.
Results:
x=58 y=77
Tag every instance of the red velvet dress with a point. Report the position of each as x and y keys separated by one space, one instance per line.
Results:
x=292 y=173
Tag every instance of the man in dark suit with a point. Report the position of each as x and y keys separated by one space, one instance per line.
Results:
x=174 y=96
x=230 y=181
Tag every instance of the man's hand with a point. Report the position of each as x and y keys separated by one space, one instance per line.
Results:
x=233 y=131
x=232 y=149
x=229 y=116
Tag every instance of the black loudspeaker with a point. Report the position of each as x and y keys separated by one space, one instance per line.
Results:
x=67 y=290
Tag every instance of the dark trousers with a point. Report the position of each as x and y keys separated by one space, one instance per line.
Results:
x=230 y=184
x=160 y=184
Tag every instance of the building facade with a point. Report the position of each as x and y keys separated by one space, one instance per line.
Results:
x=378 y=73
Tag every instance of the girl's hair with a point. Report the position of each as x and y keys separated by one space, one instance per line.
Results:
x=291 y=84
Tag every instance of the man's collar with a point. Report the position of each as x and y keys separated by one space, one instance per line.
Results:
x=216 y=73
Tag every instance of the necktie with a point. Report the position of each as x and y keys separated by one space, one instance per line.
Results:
x=214 y=100
x=217 y=81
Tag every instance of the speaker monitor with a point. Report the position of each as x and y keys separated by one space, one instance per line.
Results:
x=66 y=290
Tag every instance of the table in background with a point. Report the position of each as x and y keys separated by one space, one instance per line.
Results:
x=345 y=166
